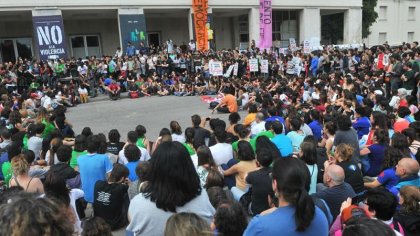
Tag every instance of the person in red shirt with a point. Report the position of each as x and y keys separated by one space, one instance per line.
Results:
x=381 y=56
x=402 y=123
x=114 y=90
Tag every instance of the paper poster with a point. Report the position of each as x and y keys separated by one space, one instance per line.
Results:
x=216 y=68
x=266 y=35
x=264 y=66
x=306 y=47
x=50 y=37
x=253 y=65
x=235 y=69
x=229 y=71
x=292 y=43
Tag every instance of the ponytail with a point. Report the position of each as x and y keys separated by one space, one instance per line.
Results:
x=305 y=210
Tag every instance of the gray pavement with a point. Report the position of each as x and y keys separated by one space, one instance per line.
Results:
x=154 y=113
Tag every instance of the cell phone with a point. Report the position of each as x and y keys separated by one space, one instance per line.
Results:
x=208 y=118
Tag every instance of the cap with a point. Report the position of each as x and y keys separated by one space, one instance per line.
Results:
x=352 y=212
x=378 y=92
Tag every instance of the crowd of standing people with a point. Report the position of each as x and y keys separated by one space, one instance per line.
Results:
x=328 y=145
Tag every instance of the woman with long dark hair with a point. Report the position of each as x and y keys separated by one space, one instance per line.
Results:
x=173 y=187
x=290 y=178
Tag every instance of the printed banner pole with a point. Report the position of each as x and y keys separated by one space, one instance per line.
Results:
x=266 y=31
x=200 y=21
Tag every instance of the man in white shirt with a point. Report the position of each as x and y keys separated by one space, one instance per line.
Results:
x=132 y=139
x=118 y=53
x=191 y=44
x=258 y=125
x=82 y=69
x=222 y=152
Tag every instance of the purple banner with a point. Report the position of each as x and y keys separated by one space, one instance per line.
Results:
x=50 y=37
x=266 y=36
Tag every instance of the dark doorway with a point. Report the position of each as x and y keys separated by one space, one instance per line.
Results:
x=332 y=29
x=153 y=38
x=7 y=51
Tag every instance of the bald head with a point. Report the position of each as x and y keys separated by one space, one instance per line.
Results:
x=336 y=175
x=260 y=116
x=407 y=166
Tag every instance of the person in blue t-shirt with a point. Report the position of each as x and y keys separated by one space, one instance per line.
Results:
x=387 y=177
x=362 y=123
x=296 y=210
x=316 y=124
x=375 y=152
x=93 y=167
x=282 y=142
x=131 y=49
x=132 y=153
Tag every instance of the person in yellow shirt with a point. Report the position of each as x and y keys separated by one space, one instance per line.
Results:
x=252 y=113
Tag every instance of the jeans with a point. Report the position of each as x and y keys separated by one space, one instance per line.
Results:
x=237 y=192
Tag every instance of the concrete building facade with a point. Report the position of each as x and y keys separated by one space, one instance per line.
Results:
x=398 y=21
x=93 y=27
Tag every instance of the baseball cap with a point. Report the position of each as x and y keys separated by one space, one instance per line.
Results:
x=352 y=212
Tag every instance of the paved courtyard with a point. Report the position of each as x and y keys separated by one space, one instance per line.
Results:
x=155 y=113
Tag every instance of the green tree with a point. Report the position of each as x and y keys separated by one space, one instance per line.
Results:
x=369 y=16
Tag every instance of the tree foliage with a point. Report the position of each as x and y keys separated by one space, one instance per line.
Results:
x=369 y=16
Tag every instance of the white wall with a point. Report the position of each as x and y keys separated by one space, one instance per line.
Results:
x=396 y=25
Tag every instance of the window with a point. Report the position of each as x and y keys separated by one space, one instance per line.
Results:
x=12 y=49
x=382 y=38
x=243 y=28
x=85 y=45
x=285 y=26
x=410 y=37
x=412 y=13
x=382 y=12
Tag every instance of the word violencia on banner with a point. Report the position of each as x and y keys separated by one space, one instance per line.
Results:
x=200 y=20
x=50 y=37
x=266 y=36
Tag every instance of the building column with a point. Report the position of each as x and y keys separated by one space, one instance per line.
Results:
x=254 y=25
x=309 y=24
x=352 y=26
x=132 y=27
x=190 y=24
x=50 y=38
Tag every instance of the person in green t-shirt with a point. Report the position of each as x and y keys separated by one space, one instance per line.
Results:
x=7 y=172
x=13 y=150
x=79 y=150
x=60 y=68
x=409 y=82
x=142 y=141
x=189 y=140
x=269 y=134
x=243 y=133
